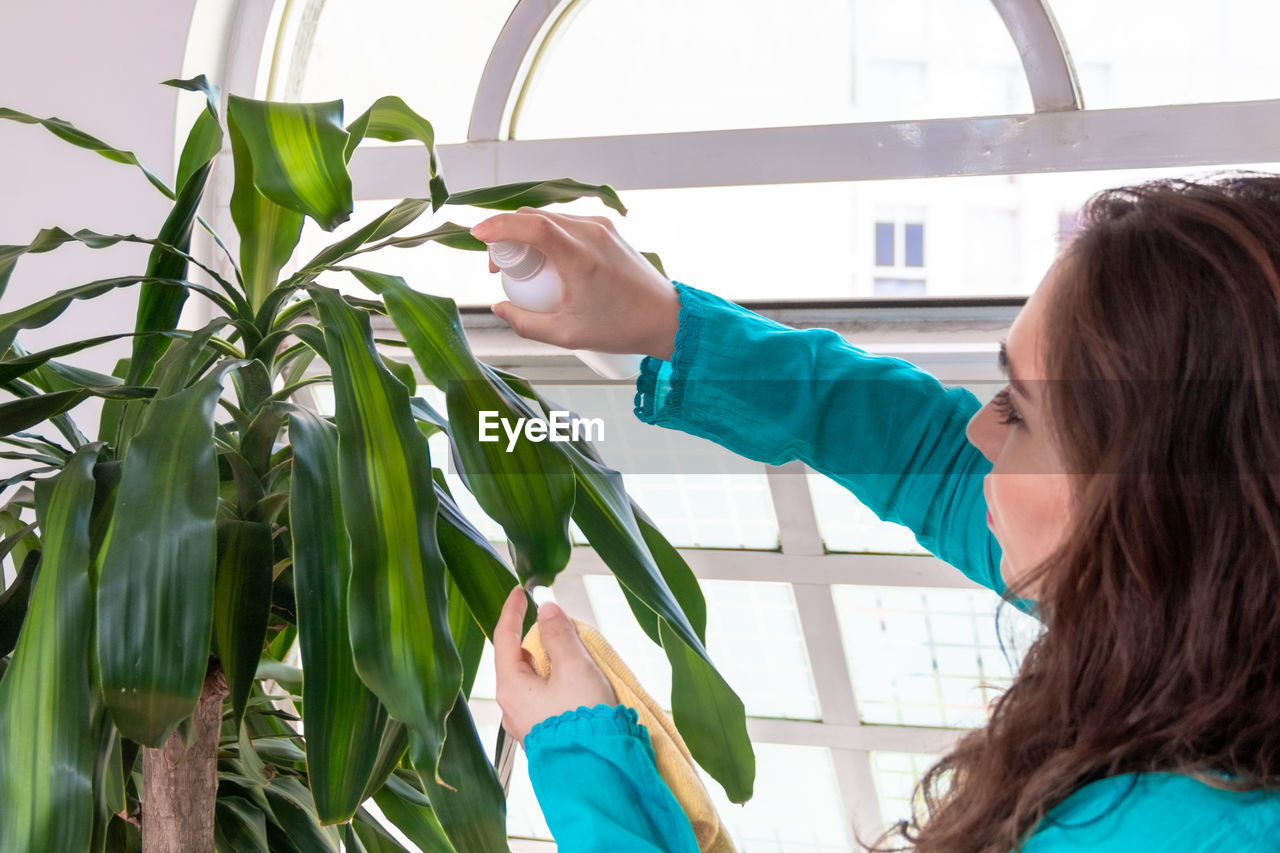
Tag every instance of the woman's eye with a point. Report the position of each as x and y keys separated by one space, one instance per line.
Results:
x=1004 y=407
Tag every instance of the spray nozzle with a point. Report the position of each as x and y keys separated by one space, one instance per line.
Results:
x=518 y=260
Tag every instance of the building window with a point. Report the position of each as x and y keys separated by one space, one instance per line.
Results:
x=899 y=287
x=884 y=244
x=899 y=253
x=913 y=250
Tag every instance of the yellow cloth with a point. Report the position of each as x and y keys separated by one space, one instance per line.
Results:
x=675 y=764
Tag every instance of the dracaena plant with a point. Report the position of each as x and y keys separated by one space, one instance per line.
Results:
x=166 y=567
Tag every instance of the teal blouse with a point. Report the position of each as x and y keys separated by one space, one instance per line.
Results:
x=895 y=437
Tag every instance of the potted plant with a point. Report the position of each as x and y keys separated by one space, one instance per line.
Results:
x=167 y=565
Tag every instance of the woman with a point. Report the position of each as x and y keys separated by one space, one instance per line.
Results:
x=1127 y=482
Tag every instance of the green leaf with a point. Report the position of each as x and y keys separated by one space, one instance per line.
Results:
x=537 y=194
x=391 y=120
x=449 y=234
x=27 y=412
x=46 y=775
x=155 y=594
x=268 y=231
x=527 y=489
x=66 y=131
x=205 y=138
x=295 y=813
x=482 y=578
x=49 y=239
x=365 y=835
x=382 y=226
x=242 y=603
x=59 y=376
x=710 y=717
x=396 y=602
x=298 y=155
x=14 y=602
x=19 y=540
x=403 y=372
x=159 y=307
x=240 y=826
x=344 y=720
x=45 y=311
x=410 y=811
x=394 y=745
x=468 y=639
x=175 y=370
x=475 y=815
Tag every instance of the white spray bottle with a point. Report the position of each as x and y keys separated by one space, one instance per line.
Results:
x=531 y=281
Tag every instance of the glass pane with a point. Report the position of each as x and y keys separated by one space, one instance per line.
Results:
x=649 y=66
x=929 y=657
x=1172 y=51
x=753 y=637
x=697 y=493
x=914 y=250
x=896 y=775
x=894 y=288
x=988 y=235
x=884 y=244
x=795 y=807
x=429 y=52
x=846 y=524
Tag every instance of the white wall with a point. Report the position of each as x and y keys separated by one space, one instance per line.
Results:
x=99 y=66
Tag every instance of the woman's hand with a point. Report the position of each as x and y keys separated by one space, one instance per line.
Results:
x=527 y=698
x=614 y=300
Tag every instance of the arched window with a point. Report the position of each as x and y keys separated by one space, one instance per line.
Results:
x=901 y=171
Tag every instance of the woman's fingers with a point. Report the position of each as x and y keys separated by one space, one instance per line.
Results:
x=559 y=637
x=573 y=670
x=508 y=657
x=526 y=225
x=527 y=698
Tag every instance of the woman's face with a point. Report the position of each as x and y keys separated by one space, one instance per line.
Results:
x=1027 y=490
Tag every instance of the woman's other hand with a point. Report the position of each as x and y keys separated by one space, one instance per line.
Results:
x=614 y=300
x=527 y=698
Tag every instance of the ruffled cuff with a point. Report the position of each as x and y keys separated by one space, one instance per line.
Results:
x=660 y=385
x=584 y=722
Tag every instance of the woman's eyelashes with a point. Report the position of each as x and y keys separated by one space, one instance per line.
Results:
x=1004 y=407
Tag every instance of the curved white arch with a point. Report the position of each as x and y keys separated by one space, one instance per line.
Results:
x=1035 y=33
x=501 y=71
x=1045 y=57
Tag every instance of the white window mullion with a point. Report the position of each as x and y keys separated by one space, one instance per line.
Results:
x=1076 y=140
x=858 y=792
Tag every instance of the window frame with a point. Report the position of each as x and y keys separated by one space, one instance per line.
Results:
x=955 y=339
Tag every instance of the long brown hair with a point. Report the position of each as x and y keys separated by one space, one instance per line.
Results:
x=1162 y=606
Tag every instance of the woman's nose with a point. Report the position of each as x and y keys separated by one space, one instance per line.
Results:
x=983 y=432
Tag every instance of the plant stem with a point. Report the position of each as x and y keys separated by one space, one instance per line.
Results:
x=180 y=785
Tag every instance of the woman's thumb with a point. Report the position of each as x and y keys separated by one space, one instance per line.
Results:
x=559 y=636
x=535 y=325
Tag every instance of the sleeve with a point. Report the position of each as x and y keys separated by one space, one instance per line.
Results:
x=594 y=774
x=880 y=426
x=1158 y=813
